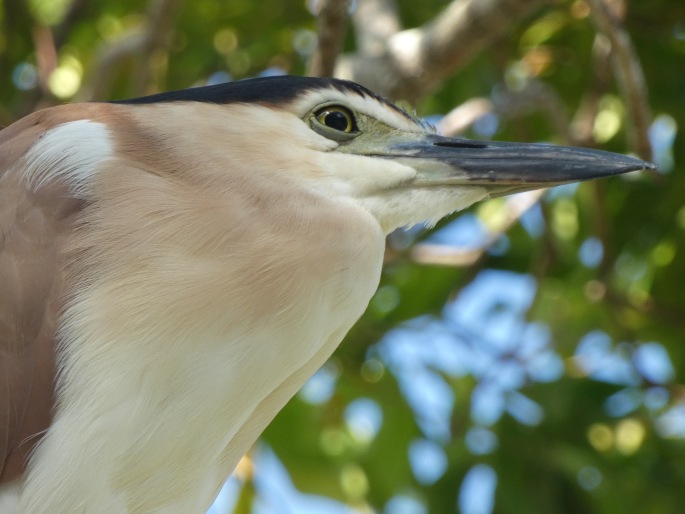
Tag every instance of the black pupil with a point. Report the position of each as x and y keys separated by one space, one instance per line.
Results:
x=336 y=120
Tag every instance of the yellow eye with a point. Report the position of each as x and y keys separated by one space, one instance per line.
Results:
x=337 y=118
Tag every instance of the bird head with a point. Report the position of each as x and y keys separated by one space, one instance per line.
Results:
x=339 y=139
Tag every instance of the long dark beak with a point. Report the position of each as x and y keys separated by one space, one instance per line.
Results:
x=503 y=168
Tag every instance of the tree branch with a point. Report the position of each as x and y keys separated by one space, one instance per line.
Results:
x=141 y=44
x=62 y=30
x=584 y=119
x=463 y=116
x=375 y=21
x=629 y=75
x=508 y=104
x=161 y=18
x=415 y=61
x=511 y=211
x=332 y=22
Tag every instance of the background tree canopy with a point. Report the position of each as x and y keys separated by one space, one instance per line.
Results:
x=524 y=356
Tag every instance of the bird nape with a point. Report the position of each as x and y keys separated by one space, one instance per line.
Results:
x=173 y=268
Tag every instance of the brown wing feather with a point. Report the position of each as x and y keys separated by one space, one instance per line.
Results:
x=33 y=229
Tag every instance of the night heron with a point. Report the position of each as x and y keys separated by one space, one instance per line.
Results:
x=180 y=264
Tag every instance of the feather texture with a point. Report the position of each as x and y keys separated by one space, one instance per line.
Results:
x=190 y=292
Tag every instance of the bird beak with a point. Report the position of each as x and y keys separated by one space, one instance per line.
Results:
x=504 y=168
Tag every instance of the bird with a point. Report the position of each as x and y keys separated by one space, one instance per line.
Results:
x=174 y=267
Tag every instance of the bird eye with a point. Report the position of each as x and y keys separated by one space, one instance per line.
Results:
x=337 y=118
